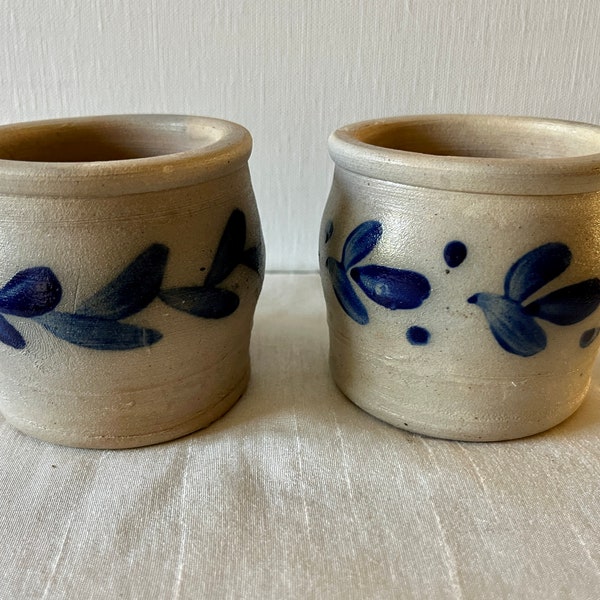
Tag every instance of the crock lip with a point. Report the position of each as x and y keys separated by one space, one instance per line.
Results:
x=228 y=152
x=505 y=176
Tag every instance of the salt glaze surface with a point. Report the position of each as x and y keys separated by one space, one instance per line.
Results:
x=132 y=263
x=459 y=258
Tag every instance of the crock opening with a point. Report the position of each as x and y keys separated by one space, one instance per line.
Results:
x=99 y=142
x=485 y=138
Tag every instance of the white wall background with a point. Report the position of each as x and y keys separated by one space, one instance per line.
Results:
x=292 y=71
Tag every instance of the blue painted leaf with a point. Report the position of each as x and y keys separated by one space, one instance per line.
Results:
x=230 y=251
x=98 y=333
x=328 y=231
x=588 y=337
x=393 y=288
x=10 y=336
x=132 y=290
x=205 y=302
x=361 y=242
x=568 y=305
x=535 y=269
x=253 y=259
x=31 y=292
x=515 y=331
x=345 y=294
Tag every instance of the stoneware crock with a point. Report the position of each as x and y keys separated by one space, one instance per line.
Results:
x=131 y=265
x=460 y=258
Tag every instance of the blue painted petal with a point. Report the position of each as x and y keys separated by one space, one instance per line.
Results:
x=345 y=294
x=568 y=305
x=361 y=242
x=208 y=303
x=229 y=253
x=588 y=337
x=132 y=290
x=515 y=331
x=31 y=292
x=10 y=336
x=393 y=288
x=97 y=333
x=535 y=269
x=328 y=230
x=253 y=258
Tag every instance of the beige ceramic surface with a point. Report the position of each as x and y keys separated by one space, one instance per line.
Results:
x=518 y=193
x=84 y=197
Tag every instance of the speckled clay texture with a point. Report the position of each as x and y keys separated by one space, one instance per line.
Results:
x=460 y=261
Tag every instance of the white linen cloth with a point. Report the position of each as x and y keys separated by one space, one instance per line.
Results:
x=297 y=493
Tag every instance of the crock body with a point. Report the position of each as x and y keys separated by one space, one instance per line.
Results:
x=128 y=295
x=459 y=312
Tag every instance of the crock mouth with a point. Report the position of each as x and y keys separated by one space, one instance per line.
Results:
x=118 y=154
x=474 y=153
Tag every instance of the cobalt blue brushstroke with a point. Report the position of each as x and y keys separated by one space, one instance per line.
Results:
x=393 y=288
x=515 y=331
x=253 y=259
x=10 y=336
x=132 y=290
x=97 y=333
x=328 y=230
x=205 y=302
x=567 y=305
x=588 y=336
x=230 y=251
x=455 y=253
x=535 y=269
x=31 y=292
x=360 y=242
x=417 y=336
x=344 y=292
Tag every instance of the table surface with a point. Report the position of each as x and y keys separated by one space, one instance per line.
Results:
x=297 y=493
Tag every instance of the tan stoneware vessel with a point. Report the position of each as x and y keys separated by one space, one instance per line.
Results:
x=460 y=261
x=131 y=265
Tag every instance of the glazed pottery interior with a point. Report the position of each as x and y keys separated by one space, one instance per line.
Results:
x=108 y=140
x=485 y=137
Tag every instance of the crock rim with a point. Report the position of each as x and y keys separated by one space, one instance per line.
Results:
x=511 y=176
x=225 y=147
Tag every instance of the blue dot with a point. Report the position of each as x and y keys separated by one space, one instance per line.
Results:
x=417 y=336
x=587 y=337
x=454 y=253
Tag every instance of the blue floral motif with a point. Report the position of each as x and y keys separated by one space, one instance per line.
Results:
x=30 y=293
x=588 y=336
x=389 y=287
x=513 y=323
x=393 y=288
x=209 y=300
x=97 y=323
x=328 y=231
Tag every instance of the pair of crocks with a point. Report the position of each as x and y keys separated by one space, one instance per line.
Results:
x=458 y=254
